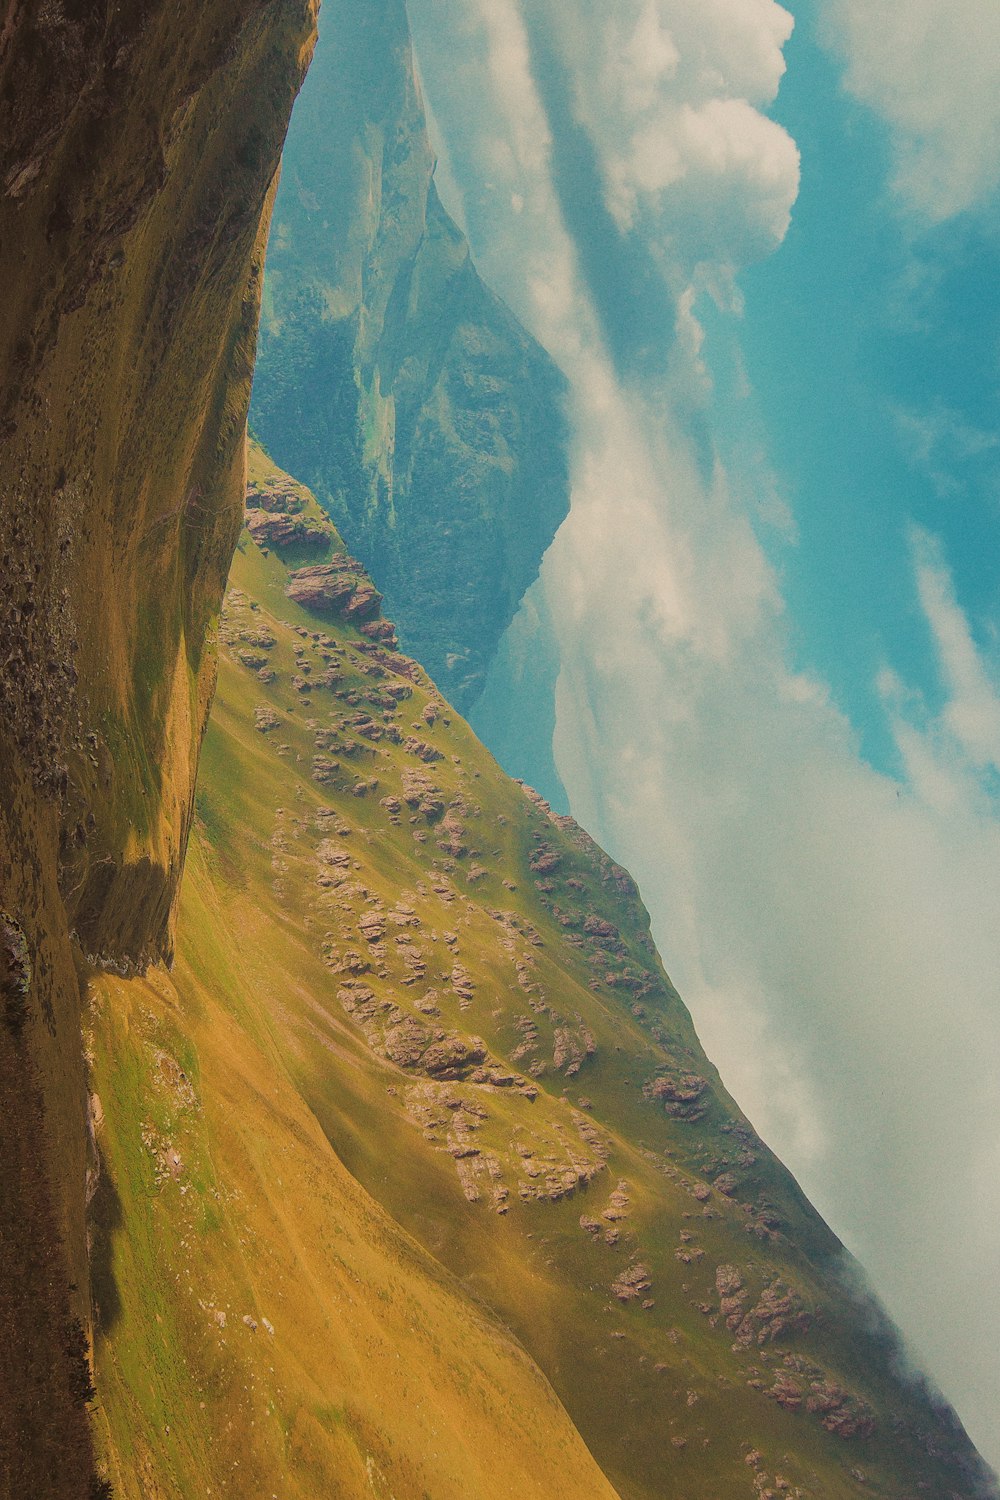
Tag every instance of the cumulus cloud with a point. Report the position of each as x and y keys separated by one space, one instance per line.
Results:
x=933 y=72
x=671 y=97
x=718 y=162
x=836 y=932
x=668 y=103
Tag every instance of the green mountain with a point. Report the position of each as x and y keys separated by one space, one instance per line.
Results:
x=415 y=1179
x=428 y=423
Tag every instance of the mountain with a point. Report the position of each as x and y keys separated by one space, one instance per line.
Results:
x=378 y=1156
x=415 y=1179
x=138 y=146
x=428 y=422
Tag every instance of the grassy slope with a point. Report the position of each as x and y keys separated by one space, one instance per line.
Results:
x=275 y=1147
x=378 y=1377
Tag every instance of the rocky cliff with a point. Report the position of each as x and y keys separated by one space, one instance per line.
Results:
x=416 y=1180
x=427 y=421
x=138 y=148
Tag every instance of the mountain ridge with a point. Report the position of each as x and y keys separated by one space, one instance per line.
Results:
x=459 y=989
x=429 y=423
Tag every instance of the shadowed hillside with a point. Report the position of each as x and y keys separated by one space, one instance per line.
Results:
x=138 y=146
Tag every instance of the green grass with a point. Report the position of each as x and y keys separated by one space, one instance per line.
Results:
x=420 y=1333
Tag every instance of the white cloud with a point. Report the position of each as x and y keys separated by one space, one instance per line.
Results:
x=509 y=66
x=836 y=933
x=972 y=715
x=944 y=445
x=721 y=169
x=639 y=61
x=672 y=99
x=933 y=72
x=731 y=47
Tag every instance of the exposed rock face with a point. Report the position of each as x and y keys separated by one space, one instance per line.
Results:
x=839 y=1411
x=428 y=423
x=683 y=1095
x=339 y=589
x=630 y=1285
x=15 y=973
x=275 y=495
x=279 y=529
x=138 y=147
x=274 y=519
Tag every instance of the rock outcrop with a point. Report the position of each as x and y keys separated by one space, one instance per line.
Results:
x=278 y=529
x=338 y=590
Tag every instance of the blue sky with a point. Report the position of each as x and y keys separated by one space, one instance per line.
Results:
x=763 y=645
x=872 y=345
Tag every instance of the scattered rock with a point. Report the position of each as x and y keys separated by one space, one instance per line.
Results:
x=372 y=925
x=406 y=1043
x=597 y=927
x=324 y=770
x=265 y=719
x=453 y=1057
x=681 y=1094
x=381 y=630
x=633 y=1281
x=544 y=860
x=422 y=750
x=618 y=1205
x=839 y=1411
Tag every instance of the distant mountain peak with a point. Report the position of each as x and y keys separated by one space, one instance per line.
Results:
x=428 y=422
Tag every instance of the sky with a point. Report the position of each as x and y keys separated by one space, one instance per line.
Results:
x=764 y=648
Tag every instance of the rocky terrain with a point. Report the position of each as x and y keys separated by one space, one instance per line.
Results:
x=390 y=378
x=403 y=981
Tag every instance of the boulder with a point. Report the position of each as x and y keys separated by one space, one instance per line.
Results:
x=340 y=589
x=282 y=530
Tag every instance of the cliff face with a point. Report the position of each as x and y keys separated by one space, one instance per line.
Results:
x=427 y=421
x=416 y=1178
x=138 y=147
